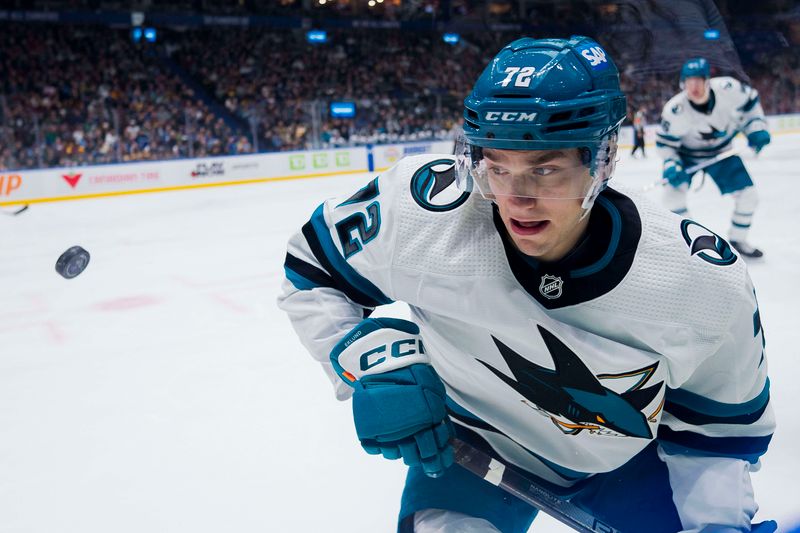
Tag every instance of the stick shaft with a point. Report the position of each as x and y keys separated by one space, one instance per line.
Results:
x=16 y=211
x=494 y=471
x=699 y=166
x=716 y=159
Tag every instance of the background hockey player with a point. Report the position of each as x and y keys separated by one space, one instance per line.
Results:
x=638 y=132
x=608 y=348
x=699 y=123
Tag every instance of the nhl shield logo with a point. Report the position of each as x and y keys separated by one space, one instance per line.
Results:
x=550 y=287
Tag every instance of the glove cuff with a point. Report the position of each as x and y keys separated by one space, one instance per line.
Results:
x=376 y=346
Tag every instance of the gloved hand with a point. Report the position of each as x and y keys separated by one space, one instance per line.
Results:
x=398 y=399
x=758 y=140
x=402 y=414
x=674 y=173
x=767 y=526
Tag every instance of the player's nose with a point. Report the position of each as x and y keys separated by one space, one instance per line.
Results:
x=521 y=202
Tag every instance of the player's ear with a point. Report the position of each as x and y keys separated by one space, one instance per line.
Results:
x=585 y=156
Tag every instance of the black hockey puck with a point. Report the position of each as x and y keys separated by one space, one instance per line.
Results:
x=72 y=262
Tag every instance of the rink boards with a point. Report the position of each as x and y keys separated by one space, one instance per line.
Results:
x=75 y=183
x=25 y=187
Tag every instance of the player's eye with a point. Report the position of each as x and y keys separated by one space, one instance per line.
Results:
x=543 y=171
x=498 y=171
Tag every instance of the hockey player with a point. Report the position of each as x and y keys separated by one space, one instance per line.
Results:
x=605 y=346
x=638 y=132
x=699 y=123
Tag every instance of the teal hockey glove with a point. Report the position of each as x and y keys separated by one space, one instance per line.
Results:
x=674 y=173
x=402 y=414
x=758 y=140
x=767 y=526
x=398 y=399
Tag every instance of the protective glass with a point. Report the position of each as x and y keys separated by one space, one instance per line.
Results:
x=559 y=171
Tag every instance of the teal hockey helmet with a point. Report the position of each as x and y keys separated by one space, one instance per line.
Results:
x=544 y=94
x=697 y=67
x=540 y=90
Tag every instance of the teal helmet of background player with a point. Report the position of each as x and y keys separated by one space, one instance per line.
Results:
x=544 y=94
x=696 y=67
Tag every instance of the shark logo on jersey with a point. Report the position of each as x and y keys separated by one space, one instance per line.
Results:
x=713 y=134
x=551 y=286
x=431 y=186
x=570 y=391
x=706 y=244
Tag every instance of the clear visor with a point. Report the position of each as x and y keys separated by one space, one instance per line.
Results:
x=562 y=171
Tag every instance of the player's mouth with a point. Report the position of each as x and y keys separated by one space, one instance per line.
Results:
x=528 y=227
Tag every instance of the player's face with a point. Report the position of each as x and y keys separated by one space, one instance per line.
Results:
x=544 y=228
x=696 y=89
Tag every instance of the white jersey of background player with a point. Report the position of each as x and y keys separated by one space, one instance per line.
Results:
x=605 y=346
x=699 y=123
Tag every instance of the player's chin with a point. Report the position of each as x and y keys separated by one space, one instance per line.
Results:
x=531 y=247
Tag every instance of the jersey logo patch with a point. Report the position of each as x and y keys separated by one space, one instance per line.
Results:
x=595 y=55
x=431 y=186
x=551 y=286
x=713 y=134
x=574 y=398
x=706 y=244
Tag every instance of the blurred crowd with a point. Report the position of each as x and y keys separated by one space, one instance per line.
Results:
x=405 y=87
x=75 y=95
x=66 y=101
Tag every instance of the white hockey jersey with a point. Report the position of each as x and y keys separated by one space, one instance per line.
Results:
x=565 y=369
x=691 y=135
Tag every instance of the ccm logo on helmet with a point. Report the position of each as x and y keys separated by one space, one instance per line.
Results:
x=510 y=116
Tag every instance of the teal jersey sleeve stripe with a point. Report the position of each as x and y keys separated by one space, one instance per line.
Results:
x=755 y=119
x=690 y=443
x=707 y=406
x=701 y=419
x=338 y=262
x=750 y=104
x=660 y=144
x=300 y=283
x=666 y=137
x=305 y=276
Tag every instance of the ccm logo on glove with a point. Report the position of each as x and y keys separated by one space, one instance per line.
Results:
x=377 y=345
x=401 y=348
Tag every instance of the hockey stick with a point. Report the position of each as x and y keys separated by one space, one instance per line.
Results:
x=17 y=212
x=717 y=158
x=699 y=166
x=494 y=471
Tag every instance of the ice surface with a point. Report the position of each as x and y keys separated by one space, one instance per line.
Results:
x=163 y=391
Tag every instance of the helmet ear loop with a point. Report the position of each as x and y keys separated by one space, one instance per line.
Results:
x=476 y=182
x=601 y=168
